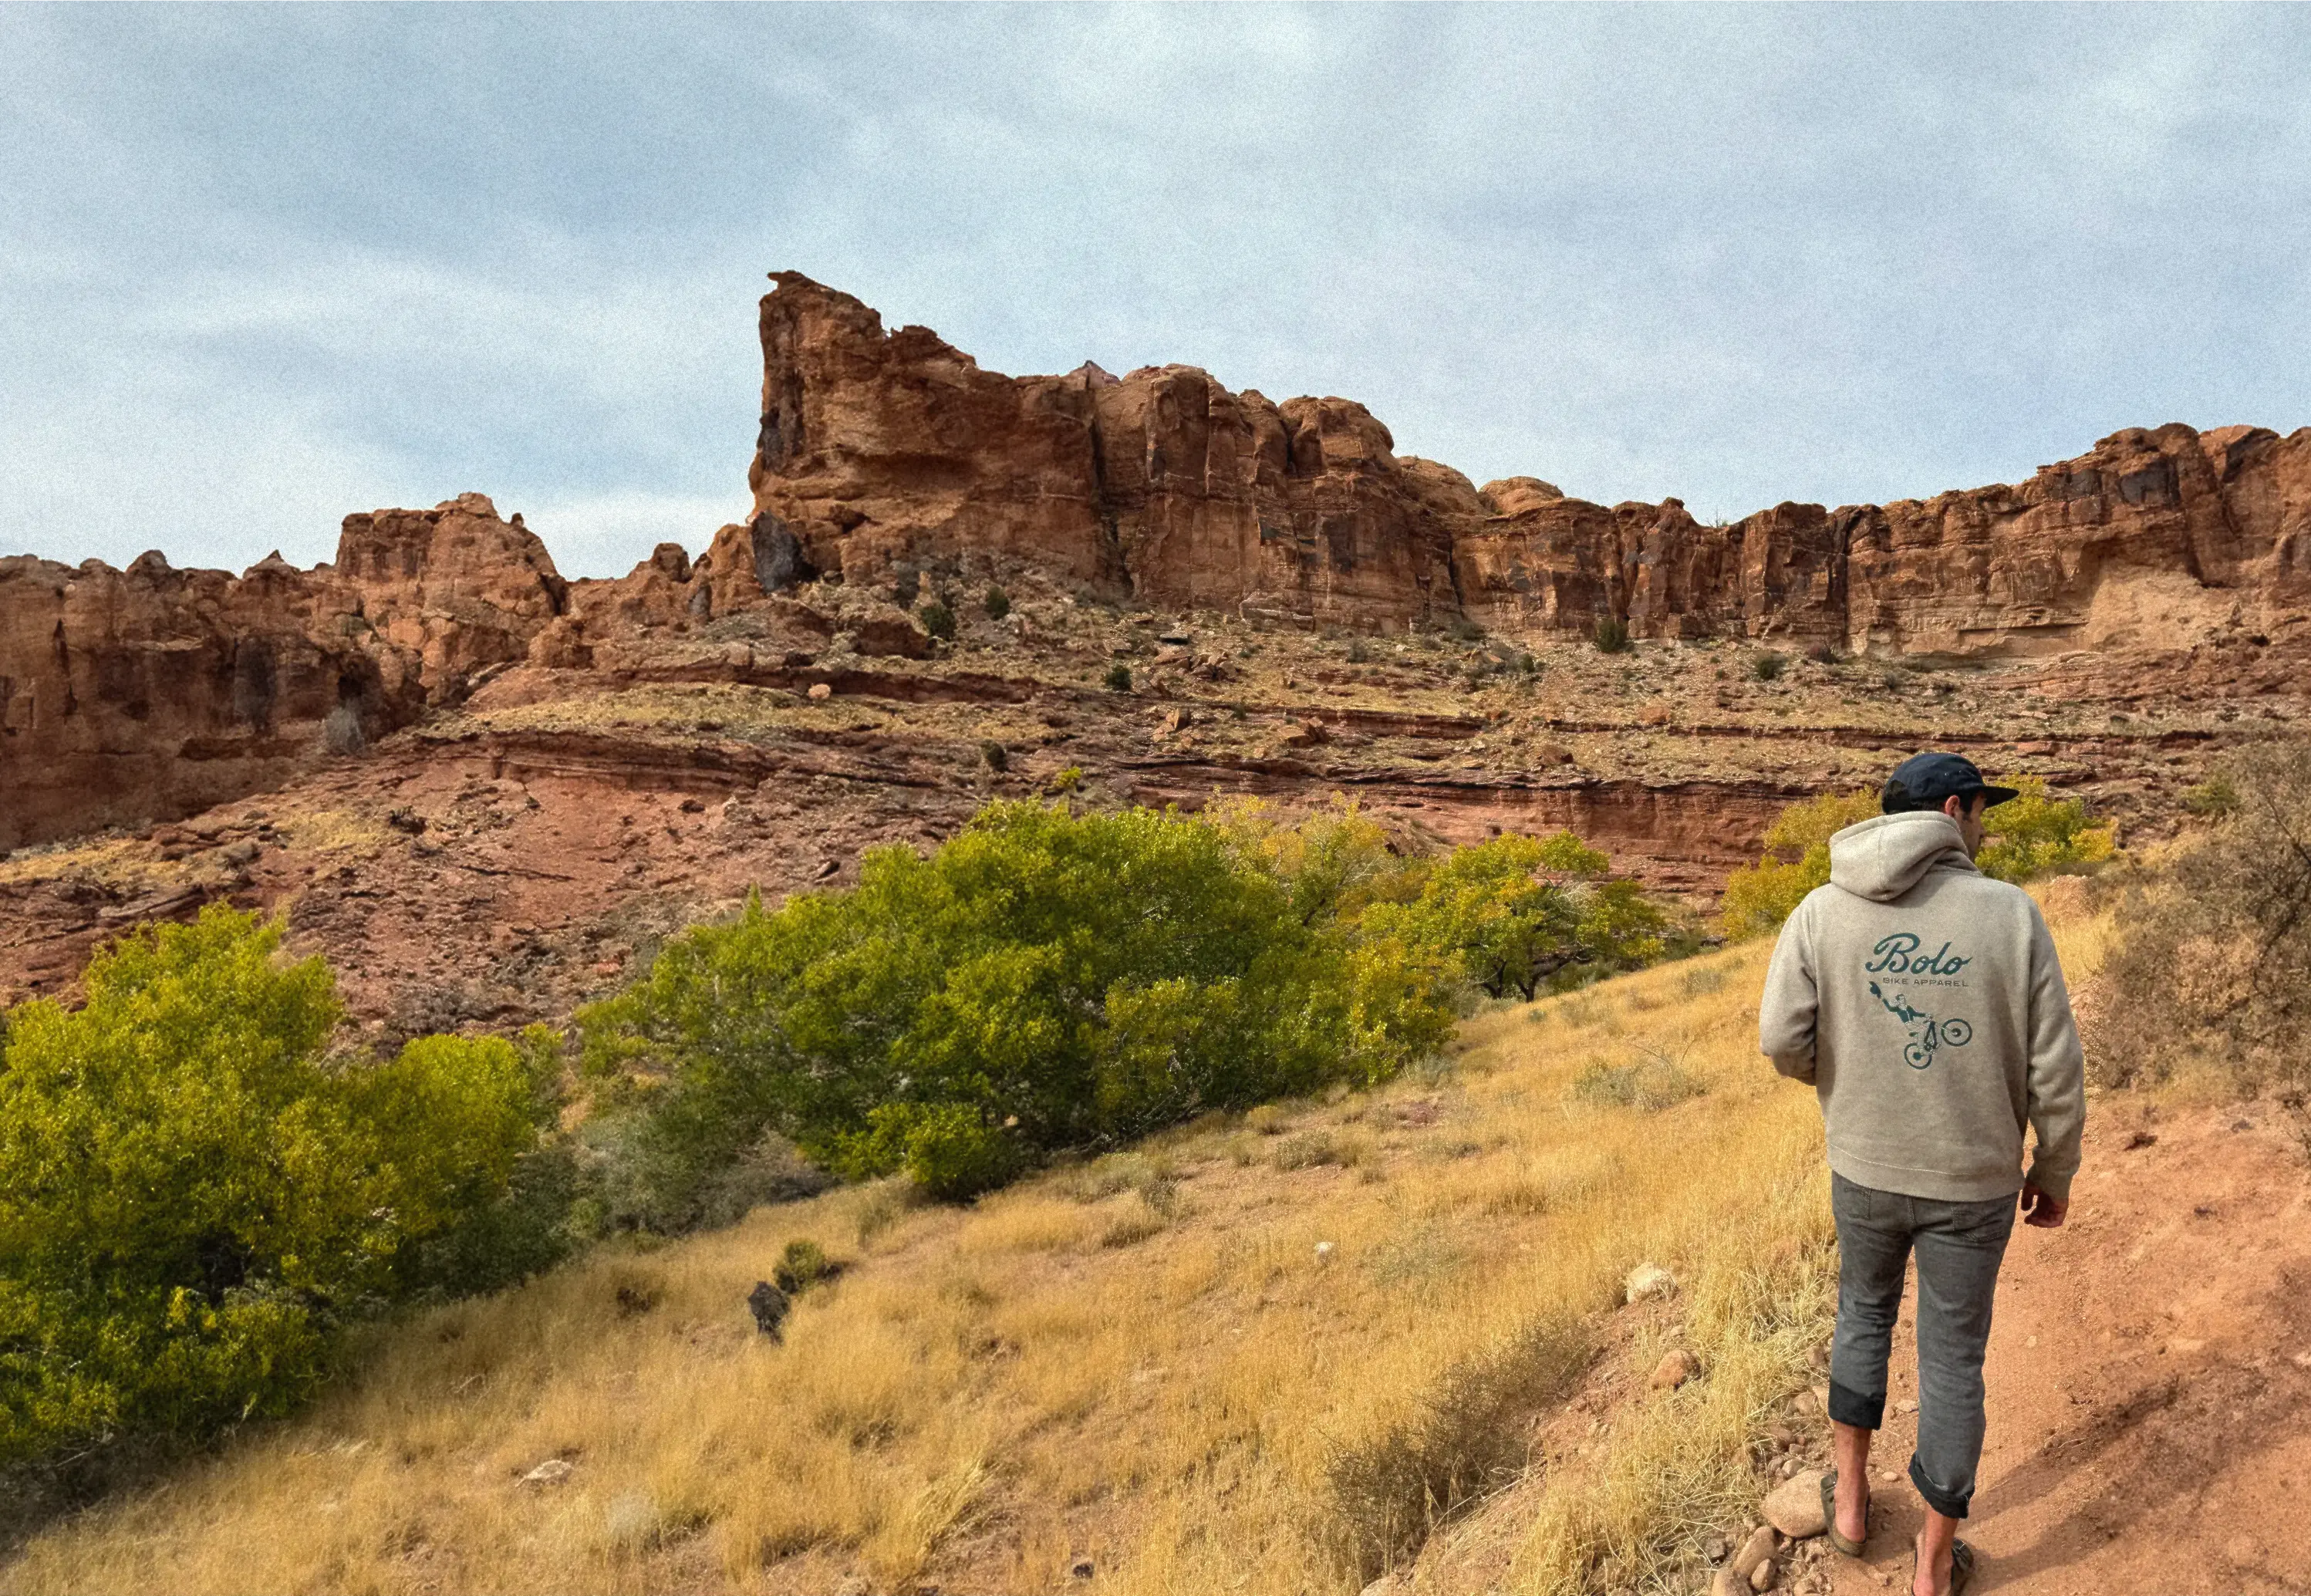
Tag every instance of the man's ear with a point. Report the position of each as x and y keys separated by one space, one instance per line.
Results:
x=1954 y=807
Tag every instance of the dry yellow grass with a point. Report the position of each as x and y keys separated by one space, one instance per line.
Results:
x=1205 y=1374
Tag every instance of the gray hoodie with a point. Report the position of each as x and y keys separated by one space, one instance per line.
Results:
x=1925 y=1003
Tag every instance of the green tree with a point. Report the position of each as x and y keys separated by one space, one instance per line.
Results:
x=1759 y=897
x=1521 y=913
x=1044 y=980
x=192 y=1200
x=1333 y=862
x=2035 y=834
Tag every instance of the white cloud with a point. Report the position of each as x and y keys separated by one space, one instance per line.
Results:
x=261 y=269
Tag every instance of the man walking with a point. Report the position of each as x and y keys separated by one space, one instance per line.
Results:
x=1923 y=1002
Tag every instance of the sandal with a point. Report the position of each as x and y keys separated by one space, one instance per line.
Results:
x=1852 y=1548
x=1961 y=1567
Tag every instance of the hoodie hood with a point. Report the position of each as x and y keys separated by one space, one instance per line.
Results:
x=1887 y=855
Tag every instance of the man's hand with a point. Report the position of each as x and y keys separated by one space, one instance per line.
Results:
x=2042 y=1210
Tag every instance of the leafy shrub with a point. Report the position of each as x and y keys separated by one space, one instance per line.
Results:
x=2212 y=960
x=1043 y=980
x=1334 y=862
x=193 y=1200
x=1612 y=635
x=2036 y=835
x=2212 y=798
x=803 y=1264
x=2027 y=837
x=1522 y=914
x=937 y=620
x=1119 y=677
x=996 y=604
x=1766 y=666
x=997 y=759
x=948 y=1149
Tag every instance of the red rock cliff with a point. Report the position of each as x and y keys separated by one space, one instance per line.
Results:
x=879 y=451
x=131 y=696
x=127 y=696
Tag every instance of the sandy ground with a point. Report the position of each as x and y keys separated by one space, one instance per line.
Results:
x=2149 y=1377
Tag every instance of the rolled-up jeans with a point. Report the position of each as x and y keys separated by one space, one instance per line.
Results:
x=1959 y=1246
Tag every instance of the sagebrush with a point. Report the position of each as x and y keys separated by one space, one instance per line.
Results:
x=2213 y=962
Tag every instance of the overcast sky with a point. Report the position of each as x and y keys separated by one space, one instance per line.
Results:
x=260 y=267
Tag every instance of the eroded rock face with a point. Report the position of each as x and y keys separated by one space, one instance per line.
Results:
x=884 y=453
x=2160 y=539
x=891 y=461
x=452 y=589
x=145 y=693
x=879 y=453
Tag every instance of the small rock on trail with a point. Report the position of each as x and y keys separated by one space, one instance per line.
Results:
x=1674 y=1370
x=1795 y=1505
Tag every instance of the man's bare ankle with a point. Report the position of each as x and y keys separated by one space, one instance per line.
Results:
x=1934 y=1573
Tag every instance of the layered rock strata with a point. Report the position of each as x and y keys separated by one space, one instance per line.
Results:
x=890 y=468
x=881 y=454
x=126 y=695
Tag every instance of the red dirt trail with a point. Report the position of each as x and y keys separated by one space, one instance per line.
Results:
x=2150 y=1376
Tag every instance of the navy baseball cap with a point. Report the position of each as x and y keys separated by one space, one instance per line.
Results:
x=1925 y=780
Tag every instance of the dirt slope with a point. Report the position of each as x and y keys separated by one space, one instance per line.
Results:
x=2150 y=1376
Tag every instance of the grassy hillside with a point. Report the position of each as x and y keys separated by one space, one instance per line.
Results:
x=1258 y=1354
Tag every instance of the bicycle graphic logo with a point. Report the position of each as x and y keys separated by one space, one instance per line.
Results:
x=1923 y=1043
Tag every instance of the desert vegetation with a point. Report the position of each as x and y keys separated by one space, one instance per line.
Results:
x=2213 y=959
x=1271 y=1324
x=2030 y=836
x=196 y=1199
x=1055 y=980
x=1192 y=1361
x=204 y=1190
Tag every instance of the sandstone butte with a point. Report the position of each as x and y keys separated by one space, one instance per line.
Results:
x=888 y=457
